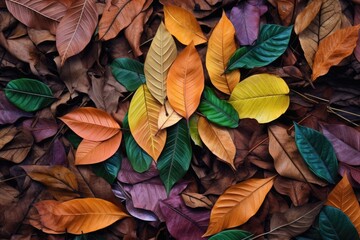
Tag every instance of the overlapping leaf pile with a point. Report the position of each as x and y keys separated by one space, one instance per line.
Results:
x=179 y=119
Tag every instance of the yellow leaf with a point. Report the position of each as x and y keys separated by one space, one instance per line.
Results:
x=344 y=198
x=186 y=82
x=218 y=140
x=167 y=116
x=159 y=58
x=238 y=203
x=221 y=47
x=183 y=25
x=262 y=96
x=143 y=122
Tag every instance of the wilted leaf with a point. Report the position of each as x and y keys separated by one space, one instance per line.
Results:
x=272 y=42
x=231 y=235
x=185 y=82
x=28 y=94
x=159 y=58
x=218 y=140
x=238 y=203
x=221 y=46
x=167 y=116
x=10 y=113
x=90 y=152
x=304 y=19
x=7 y=134
x=299 y=192
x=262 y=96
x=333 y=49
x=76 y=28
x=81 y=215
x=109 y=169
x=183 y=25
x=17 y=150
x=175 y=160
x=196 y=200
x=128 y=72
x=344 y=198
x=317 y=152
x=143 y=118
x=91 y=123
x=117 y=16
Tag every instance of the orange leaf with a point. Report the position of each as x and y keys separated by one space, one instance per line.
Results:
x=183 y=25
x=185 y=82
x=238 y=203
x=91 y=123
x=218 y=140
x=79 y=216
x=90 y=152
x=76 y=28
x=344 y=198
x=333 y=49
x=44 y=217
x=307 y=15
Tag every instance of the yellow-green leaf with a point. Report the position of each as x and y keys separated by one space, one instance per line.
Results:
x=160 y=56
x=143 y=122
x=221 y=47
x=262 y=96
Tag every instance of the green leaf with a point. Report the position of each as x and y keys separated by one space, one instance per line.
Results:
x=175 y=159
x=218 y=111
x=73 y=138
x=334 y=224
x=317 y=152
x=28 y=94
x=231 y=235
x=194 y=132
x=109 y=169
x=310 y=234
x=138 y=158
x=272 y=42
x=128 y=72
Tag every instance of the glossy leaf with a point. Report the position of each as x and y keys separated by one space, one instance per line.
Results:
x=272 y=42
x=334 y=224
x=183 y=25
x=218 y=111
x=193 y=129
x=317 y=152
x=159 y=58
x=185 y=82
x=175 y=160
x=138 y=158
x=91 y=123
x=28 y=94
x=287 y=159
x=76 y=28
x=128 y=72
x=167 y=116
x=143 y=118
x=262 y=96
x=238 y=203
x=81 y=215
x=218 y=140
x=109 y=169
x=231 y=235
x=117 y=16
x=344 y=198
x=333 y=49
x=221 y=46
x=90 y=152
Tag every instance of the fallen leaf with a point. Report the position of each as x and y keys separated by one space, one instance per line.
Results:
x=231 y=235
x=304 y=18
x=128 y=72
x=286 y=10
x=128 y=175
x=9 y=113
x=193 y=129
x=41 y=129
x=299 y=192
x=109 y=169
x=196 y=200
x=7 y=134
x=17 y=150
x=167 y=116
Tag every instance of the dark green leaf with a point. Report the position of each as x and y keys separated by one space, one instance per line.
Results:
x=231 y=235
x=138 y=158
x=175 y=159
x=218 y=111
x=317 y=152
x=334 y=224
x=272 y=42
x=73 y=138
x=128 y=72
x=28 y=94
x=109 y=168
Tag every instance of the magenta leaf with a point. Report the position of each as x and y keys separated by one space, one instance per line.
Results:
x=8 y=112
x=246 y=19
x=129 y=176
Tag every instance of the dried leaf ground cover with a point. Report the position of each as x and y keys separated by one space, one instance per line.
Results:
x=196 y=119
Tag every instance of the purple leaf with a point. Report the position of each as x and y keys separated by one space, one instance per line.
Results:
x=128 y=175
x=57 y=156
x=246 y=19
x=8 y=112
x=345 y=140
x=353 y=174
x=41 y=129
x=183 y=222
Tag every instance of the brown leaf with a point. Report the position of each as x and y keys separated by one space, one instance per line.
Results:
x=196 y=200
x=76 y=28
x=286 y=10
x=17 y=150
x=299 y=192
x=304 y=19
x=7 y=134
